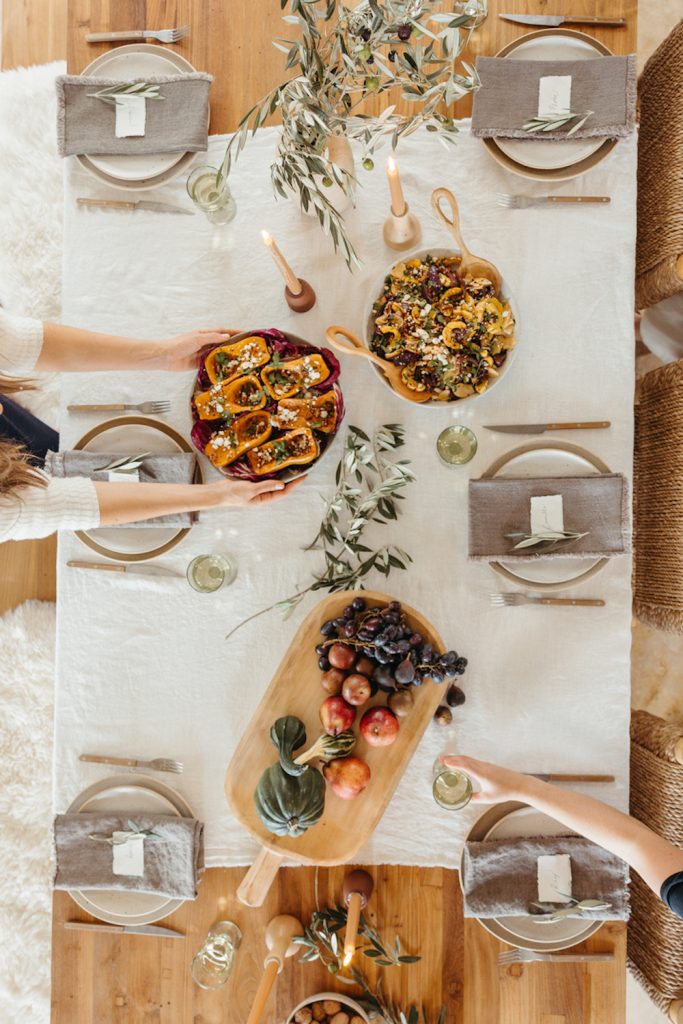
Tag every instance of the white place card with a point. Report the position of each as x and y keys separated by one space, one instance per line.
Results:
x=131 y=115
x=129 y=857
x=554 y=94
x=555 y=878
x=547 y=513
x=115 y=476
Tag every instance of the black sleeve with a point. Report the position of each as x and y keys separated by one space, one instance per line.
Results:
x=672 y=892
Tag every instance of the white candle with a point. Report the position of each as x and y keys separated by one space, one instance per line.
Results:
x=291 y=280
x=398 y=203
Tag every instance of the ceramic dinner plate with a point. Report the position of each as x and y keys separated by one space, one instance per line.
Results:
x=507 y=821
x=128 y=795
x=539 y=459
x=548 y=160
x=146 y=170
x=133 y=435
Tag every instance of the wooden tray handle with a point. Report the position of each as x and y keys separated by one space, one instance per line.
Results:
x=254 y=887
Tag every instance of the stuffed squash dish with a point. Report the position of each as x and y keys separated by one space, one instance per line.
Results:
x=266 y=405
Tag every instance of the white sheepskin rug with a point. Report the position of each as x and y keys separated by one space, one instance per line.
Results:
x=27 y=668
x=31 y=207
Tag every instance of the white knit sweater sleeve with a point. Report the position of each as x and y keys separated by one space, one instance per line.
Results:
x=21 y=341
x=65 y=504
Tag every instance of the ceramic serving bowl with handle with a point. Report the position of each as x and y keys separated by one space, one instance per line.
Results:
x=349 y=1006
x=375 y=292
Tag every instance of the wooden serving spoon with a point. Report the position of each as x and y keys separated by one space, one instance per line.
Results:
x=470 y=264
x=353 y=346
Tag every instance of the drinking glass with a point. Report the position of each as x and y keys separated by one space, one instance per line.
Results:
x=456 y=445
x=208 y=573
x=213 y=199
x=212 y=964
x=476 y=11
x=451 y=787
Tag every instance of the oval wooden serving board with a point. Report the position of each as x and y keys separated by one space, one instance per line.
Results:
x=295 y=690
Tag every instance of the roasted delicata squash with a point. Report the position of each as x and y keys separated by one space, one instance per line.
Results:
x=231 y=361
x=297 y=447
x=289 y=378
x=319 y=412
x=245 y=394
x=231 y=443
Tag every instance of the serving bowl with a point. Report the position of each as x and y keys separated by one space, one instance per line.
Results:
x=203 y=429
x=376 y=290
x=348 y=1004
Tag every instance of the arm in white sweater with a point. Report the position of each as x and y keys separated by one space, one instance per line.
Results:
x=39 y=511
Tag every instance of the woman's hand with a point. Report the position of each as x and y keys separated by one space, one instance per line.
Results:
x=181 y=353
x=495 y=784
x=243 y=492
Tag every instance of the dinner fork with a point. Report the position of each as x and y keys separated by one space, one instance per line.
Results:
x=164 y=35
x=527 y=956
x=506 y=600
x=157 y=764
x=148 y=408
x=522 y=202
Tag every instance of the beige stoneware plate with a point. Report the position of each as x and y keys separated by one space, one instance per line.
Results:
x=134 y=434
x=128 y=794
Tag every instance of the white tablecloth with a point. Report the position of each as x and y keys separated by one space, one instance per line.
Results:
x=143 y=668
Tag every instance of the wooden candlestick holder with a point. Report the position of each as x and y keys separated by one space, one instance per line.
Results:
x=402 y=232
x=279 y=934
x=357 y=890
x=302 y=302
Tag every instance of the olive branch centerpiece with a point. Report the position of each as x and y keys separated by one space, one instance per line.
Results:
x=321 y=942
x=345 y=55
x=369 y=485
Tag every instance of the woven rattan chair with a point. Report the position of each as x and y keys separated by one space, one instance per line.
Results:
x=659 y=247
x=658 y=504
x=655 y=934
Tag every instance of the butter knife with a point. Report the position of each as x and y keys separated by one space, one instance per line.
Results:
x=139 y=204
x=540 y=428
x=125 y=929
x=142 y=570
x=555 y=20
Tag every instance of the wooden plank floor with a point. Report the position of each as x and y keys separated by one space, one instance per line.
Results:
x=107 y=980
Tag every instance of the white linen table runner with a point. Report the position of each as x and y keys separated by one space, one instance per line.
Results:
x=143 y=669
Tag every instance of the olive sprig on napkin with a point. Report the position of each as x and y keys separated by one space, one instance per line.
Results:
x=142 y=89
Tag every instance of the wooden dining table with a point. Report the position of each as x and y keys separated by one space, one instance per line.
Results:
x=122 y=979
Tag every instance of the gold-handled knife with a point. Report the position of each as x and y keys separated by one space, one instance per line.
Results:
x=555 y=20
x=124 y=929
x=559 y=777
x=540 y=428
x=142 y=570
x=138 y=204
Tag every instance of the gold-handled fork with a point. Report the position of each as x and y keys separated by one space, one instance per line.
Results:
x=527 y=956
x=523 y=202
x=163 y=35
x=157 y=764
x=147 y=408
x=507 y=600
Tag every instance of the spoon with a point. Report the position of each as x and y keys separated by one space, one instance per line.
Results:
x=357 y=348
x=470 y=264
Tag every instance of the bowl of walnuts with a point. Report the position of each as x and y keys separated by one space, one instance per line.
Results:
x=328 y=1008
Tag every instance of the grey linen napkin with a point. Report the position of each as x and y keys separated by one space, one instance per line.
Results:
x=500 y=876
x=596 y=504
x=173 y=862
x=509 y=96
x=165 y=469
x=178 y=123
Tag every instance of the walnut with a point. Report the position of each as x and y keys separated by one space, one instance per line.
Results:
x=356 y=1020
x=304 y=1015
x=339 y=1018
x=331 y=1007
x=318 y=1012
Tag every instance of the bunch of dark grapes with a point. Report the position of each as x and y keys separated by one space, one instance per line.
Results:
x=401 y=656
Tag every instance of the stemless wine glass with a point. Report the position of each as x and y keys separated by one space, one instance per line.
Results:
x=451 y=787
x=212 y=964
x=213 y=198
x=208 y=573
x=456 y=445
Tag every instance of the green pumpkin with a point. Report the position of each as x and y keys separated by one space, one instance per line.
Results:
x=287 y=735
x=289 y=804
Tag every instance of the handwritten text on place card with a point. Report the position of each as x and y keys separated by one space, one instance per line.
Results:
x=129 y=856
x=554 y=94
x=547 y=513
x=130 y=116
x=555 y=878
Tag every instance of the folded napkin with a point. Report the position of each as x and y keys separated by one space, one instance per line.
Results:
x=178 y=123
x=509 y=96
x=500 y=878
x=159 y=469
x=173 y=861
x=596 y=505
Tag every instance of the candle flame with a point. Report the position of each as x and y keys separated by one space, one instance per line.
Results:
x=348 y=956
x=266 y=237
x=391 y=165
